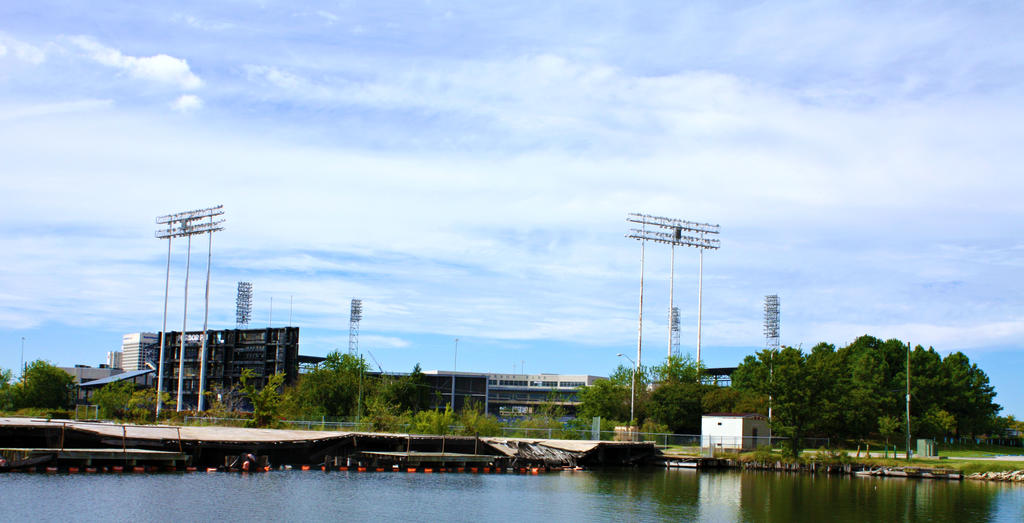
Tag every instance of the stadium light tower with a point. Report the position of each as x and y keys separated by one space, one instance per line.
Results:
x=243 y=305
x=186 y=225
x=355 y=314
x=771 y=322
x=771 y=335
x=673 y=232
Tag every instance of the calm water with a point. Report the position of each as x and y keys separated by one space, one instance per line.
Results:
x=646 y=495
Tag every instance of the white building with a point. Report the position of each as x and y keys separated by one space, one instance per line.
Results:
x=137 y=348
x=734 y=431
x=114 y=360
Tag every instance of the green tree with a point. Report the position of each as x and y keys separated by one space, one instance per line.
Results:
x=679 y=369
x=889 y=427
x=732 y=400
x=333 y=389
x=434 y=421
x=385 y=416
x=142 y=405
x=795 y=397
x=266 y=401
x=936 y=423
x=969 y=398
x=44 y=386
x=676 y=405
x=606 y=399
x=476 y=422
x=6 y=390
x=114 y=399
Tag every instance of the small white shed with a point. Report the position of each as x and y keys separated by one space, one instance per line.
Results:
x=734 y=431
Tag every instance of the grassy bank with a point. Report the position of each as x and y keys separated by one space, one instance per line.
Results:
x=966 y=466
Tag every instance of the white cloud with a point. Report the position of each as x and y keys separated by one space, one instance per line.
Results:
x=159 y=68
x=13 y=112
x=202 y=24
x=21 y=50
x=373 y=341
x=187 y=103
x=330 y=17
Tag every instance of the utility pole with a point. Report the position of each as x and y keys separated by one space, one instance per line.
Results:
x=908 y=400
x=22 y=357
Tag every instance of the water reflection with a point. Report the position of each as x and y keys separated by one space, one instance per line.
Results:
x=630 y=495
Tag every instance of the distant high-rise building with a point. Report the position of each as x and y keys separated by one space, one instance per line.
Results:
x=137 y=348
x=115 y=359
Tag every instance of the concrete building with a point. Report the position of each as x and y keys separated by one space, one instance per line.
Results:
x=508 y=395
x=230 y=351
x=726 y=431
x=137 y=348
x=115 y=359
x=85 y=373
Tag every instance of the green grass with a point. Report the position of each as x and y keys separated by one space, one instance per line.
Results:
x=963 y=453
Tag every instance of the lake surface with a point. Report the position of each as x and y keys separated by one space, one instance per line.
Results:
x=634 y=495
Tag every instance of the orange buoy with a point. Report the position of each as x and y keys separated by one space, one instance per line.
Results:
x=411 y=469
x=117 y=468
x=428 y=470
x=305 y=467
x=72 y=470
x=343 y=469
x=138 y=469
x=360 y=469
x=474 y=470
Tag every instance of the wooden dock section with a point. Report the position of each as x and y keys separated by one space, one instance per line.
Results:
x=689 y=462
x=30 y=457
x=418 y=459
x=912 y=472
x=209 y=446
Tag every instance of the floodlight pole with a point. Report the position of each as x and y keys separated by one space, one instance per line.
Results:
x=700 y=295
x=670 y=231
x=671 y=295
x=184 y=323
x=178 y=225
x=163 y=337
x=640 y=329
x=206 y=316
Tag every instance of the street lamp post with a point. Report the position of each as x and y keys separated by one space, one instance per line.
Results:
x=22 y=356
x=632 y=387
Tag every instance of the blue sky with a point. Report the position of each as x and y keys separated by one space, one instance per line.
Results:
x=466 y=169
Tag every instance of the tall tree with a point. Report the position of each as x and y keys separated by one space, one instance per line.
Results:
x=606 y=399
x=44 y=386
x=970 y=397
